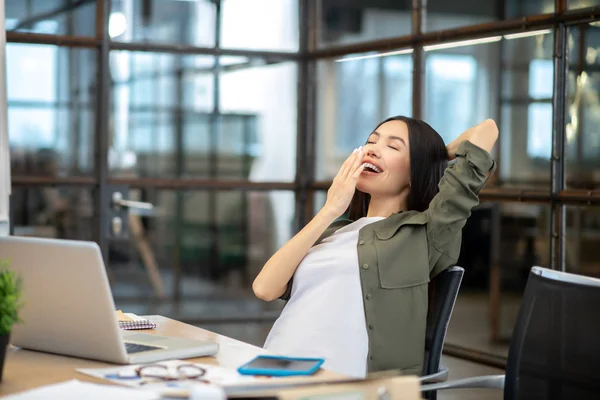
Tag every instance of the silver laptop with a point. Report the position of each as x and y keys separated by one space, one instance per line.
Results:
x=68 y=306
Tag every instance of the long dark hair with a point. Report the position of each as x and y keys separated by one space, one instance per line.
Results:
x=428 y=161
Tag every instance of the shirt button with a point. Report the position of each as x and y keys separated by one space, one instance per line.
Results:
x=361 y=242
x=369 y=296
x=365 y=266
x=371 y=327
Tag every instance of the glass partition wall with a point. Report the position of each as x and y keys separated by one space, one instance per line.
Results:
x=191 y=139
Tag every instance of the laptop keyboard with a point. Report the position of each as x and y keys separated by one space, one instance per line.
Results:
x=136 y=348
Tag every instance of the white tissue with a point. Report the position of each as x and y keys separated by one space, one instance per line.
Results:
x=207 y=392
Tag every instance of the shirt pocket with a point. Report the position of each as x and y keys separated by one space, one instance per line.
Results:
x=403 y=259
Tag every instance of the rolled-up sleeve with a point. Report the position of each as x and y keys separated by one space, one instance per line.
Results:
x=458 y=193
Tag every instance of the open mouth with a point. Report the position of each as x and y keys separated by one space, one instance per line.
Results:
x=368 y=167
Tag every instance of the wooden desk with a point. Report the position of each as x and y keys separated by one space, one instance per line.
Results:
x=25 y=369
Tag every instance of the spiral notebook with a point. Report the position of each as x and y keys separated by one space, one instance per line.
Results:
x=128 y=321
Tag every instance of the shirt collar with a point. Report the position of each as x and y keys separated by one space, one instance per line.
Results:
x=388 y=227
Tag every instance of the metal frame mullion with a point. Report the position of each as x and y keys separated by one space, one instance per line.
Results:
x=576 y=214
x=180 y=158
x=75 y=91
x=214 y=131
x=57 y=40
x=91 y=42
x=463 y=33
x=557 y=162
x=419 y=21
x=102 y=197
x=576 y=16
x=196 y=50
x=571 y=197
x=201 y=184
x=306 y=98
x=74 y=181
x=580 y=68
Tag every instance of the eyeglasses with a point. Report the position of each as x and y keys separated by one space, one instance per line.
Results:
x=154 y=372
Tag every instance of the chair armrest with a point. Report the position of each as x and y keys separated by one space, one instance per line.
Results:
x=440 y=376
x=478 y=382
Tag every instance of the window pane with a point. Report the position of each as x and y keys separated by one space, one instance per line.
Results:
x=464 y=84
x=583 y=113
x=381 y=87
x=52 y=212
x=225 y=239
x=349 y=21
x=156 y=98
x=448 y=15
x=182 y=22
x=526 y=131
x=452 y=82
x=583 y=3
x=51 y=17
x=460 y=87
x=523 y=241
x=51 y=94
x=262 y=136
x=260 y=24
x=583 y=240
x=160 y=97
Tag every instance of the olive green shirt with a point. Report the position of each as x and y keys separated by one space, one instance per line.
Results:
x=399 y=255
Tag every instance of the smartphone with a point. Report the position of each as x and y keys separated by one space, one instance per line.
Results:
x=281 y=366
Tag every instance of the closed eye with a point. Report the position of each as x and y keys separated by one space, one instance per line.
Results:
x=370 y=142
x=392 y=147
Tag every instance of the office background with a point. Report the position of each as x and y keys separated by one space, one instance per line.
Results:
x=231 y=117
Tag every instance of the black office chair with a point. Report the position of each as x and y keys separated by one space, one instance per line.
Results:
x=443 y=291
x=554 y=351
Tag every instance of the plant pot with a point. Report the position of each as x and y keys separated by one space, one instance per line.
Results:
x=3 y=346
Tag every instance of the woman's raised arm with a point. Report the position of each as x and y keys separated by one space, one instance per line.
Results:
x=273 y=279
x=459 y=190
x=482 y=135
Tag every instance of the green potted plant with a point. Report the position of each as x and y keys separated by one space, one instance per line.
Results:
x=10 y=303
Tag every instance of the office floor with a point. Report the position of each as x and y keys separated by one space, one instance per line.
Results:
x=201 y=299
x=465 y=369
x=470 y=323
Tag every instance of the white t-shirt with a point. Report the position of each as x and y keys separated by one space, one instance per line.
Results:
x=325 y=317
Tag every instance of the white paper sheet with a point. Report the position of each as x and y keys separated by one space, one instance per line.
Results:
x=214 y=375
x=77 y=390
x=134 y=317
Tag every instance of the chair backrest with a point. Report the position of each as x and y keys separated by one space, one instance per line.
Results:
x=443 y=290
x=555 y=347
